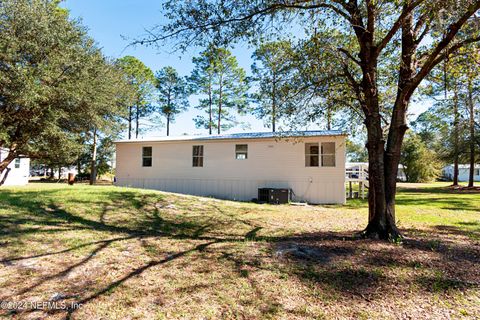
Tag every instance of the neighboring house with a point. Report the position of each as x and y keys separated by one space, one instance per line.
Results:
x=234 y=166
x=463 y=172
x=19 y=170
x=354 y=170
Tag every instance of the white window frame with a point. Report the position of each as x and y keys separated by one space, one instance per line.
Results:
x=17 y=163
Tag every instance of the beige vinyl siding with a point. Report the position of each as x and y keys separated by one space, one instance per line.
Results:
x=270 y=163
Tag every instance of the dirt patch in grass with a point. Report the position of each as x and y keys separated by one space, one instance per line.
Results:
x=123 y=253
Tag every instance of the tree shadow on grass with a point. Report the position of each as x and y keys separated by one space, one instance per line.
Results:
x=338 y=263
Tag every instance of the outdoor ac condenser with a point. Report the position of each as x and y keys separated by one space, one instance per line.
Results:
x=274 y=195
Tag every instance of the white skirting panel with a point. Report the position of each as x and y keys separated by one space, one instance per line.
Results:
x=243 y=190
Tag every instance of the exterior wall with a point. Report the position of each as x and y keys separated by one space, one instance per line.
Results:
x=463 y=173
x=271 y=163
x=17 y=176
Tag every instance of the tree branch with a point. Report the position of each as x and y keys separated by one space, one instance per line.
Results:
x=259 y=12
x=349 y=55
x=435 y=57
x=396 y=26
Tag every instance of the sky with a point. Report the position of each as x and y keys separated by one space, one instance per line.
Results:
x=113 y=23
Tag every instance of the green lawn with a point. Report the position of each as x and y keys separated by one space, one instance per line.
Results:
x=127 y=253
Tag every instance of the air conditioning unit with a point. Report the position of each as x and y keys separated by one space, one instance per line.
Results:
x=274 y=195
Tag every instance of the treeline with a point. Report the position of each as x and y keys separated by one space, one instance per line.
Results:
x=60 y=97
x=63 y=102
x=448 y=132
x=281 y=86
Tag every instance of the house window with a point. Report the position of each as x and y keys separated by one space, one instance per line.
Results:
x=477 y=172
x=311 y=154
x=241 y=151
x=17 y=163
x=198 y=156
x=147 y=156
x=328 y=154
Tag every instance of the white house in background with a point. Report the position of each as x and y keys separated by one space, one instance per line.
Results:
x=19 y=170
x=463 y=172
x=234 y=166
x=353 y=170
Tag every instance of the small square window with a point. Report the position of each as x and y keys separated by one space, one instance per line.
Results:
x=17 y=163
x=147 y=156
x=198 y=156
x=311 y=155
x=241 y=151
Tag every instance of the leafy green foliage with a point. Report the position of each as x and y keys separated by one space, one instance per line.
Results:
x=55 y=85
x=356 y=152
x=420 y=163
x=273 y=71
x=173 y=93
x=223 y=85
x=142 y=80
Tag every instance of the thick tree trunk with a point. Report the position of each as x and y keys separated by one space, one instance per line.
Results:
x=472 y=136
x=93 y=164
x=379 y=225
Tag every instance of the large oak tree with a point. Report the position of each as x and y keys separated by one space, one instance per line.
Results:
x=53 y=82
x=420 y=33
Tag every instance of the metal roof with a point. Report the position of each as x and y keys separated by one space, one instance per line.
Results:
x=247 y=135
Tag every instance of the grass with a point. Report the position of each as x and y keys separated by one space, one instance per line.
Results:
x=127 y=253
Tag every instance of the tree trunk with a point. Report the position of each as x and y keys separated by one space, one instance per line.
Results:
x=168 y=124
x=4 y=166
x=210 y=109
x=220 y=97
x=169 y=111
x=137 y=120
x=93 y=164
x=130 y=122
x=472 y=135
x=5 y=175
x=59 y=173
x=274 y=101
x=456 y=138
x=329 y=119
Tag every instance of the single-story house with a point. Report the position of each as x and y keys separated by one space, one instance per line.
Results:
x=463 y=172
x=234 y=166
x=19 y=170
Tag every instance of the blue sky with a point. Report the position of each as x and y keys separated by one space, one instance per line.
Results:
x=111 y=21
